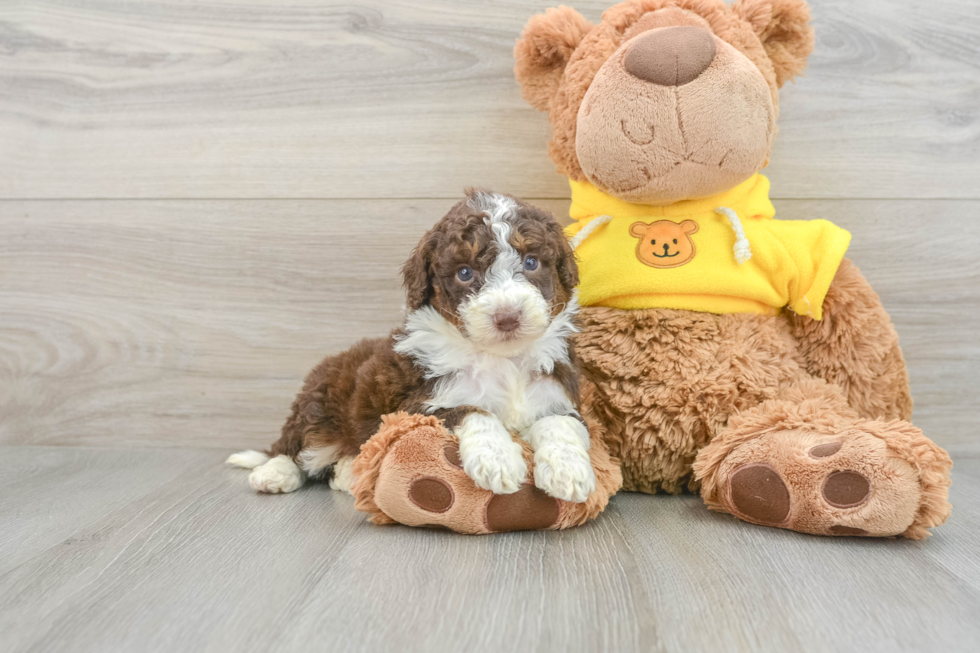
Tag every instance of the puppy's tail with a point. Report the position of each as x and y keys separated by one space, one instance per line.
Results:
x=249 y=459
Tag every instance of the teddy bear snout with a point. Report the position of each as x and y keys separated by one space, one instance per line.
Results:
x=671 y=56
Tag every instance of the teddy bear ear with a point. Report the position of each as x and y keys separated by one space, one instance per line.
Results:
x=783 y=26
x=545 y=46
x=638 y=229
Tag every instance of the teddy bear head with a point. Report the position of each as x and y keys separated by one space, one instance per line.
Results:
x=663 y=100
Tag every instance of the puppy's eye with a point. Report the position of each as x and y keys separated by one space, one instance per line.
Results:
x=675 y=241
x=530 y=264
x=653 y=242
x=465 y=274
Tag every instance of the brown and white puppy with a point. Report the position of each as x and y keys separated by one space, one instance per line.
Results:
x=492 y=302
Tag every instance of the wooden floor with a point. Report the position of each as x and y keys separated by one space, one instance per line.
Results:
x=199 y=200
x=166 y=550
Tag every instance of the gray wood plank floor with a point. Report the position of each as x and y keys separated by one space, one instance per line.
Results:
x=165 y=550
x=200 y=200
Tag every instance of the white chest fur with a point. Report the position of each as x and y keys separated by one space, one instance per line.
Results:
x=517 y=390
x=517 y=397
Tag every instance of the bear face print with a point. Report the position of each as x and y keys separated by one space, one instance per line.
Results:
x=664 y=244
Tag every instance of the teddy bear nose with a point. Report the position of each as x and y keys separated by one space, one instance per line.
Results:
x=671 y=56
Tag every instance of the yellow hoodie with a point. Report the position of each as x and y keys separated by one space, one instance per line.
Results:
x=684 y=255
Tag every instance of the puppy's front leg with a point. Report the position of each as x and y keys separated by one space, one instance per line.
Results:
x=562 y=467
x=489 y=454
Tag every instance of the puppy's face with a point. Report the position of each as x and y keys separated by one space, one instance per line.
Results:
x=498 y=269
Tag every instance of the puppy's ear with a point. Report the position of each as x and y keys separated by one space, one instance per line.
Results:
x=783 y=26
x=545 y=46
x=565 y=266
x=417 y=273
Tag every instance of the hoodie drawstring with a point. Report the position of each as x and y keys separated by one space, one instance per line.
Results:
x=592 y=225
x=743 y=252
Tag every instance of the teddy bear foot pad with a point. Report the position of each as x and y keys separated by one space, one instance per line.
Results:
x=527 y=509
x=410 y=473
x=872 y=479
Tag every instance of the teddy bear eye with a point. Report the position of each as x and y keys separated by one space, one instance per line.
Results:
x=465 y=274
x=675 y=241
x=653 y=242
x=530 y=264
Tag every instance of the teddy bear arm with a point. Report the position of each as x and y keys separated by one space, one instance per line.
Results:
x=855 y=346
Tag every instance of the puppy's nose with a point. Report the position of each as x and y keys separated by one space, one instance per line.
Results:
x=506 y=320
x=671 y=56
x=666 y=247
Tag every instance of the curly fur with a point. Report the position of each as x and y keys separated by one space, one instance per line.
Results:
x=668 y=381
x=675 y=387
x=860 y=353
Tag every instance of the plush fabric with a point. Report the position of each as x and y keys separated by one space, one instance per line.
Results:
x=623 y=264
x=719 y=143
x=789 y=418
x=837 y=474
x=409 y=472
x=784 y=22
x=671 y=57
x=675 y=387
x=551 y=39
x=857 y=349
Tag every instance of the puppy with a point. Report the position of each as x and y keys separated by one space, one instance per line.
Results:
x=492 y=301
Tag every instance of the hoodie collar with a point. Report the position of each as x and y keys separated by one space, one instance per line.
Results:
x=748 y=199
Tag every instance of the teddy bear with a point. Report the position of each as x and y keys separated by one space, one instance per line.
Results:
x=723 y=351
x=762 y=369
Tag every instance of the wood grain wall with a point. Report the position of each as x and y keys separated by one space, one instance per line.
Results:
x=198 y=200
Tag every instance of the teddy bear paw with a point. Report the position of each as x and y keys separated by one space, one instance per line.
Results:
x=872 y=479
x=411 y=472
x=564 y=473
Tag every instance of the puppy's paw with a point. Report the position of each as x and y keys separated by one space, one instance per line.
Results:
x=562 y=467
x=489 y=454
x=564 y=472
x=342 y=478
x=495 y=465
x=279 y=475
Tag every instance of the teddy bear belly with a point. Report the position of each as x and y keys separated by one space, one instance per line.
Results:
x=668 y=381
